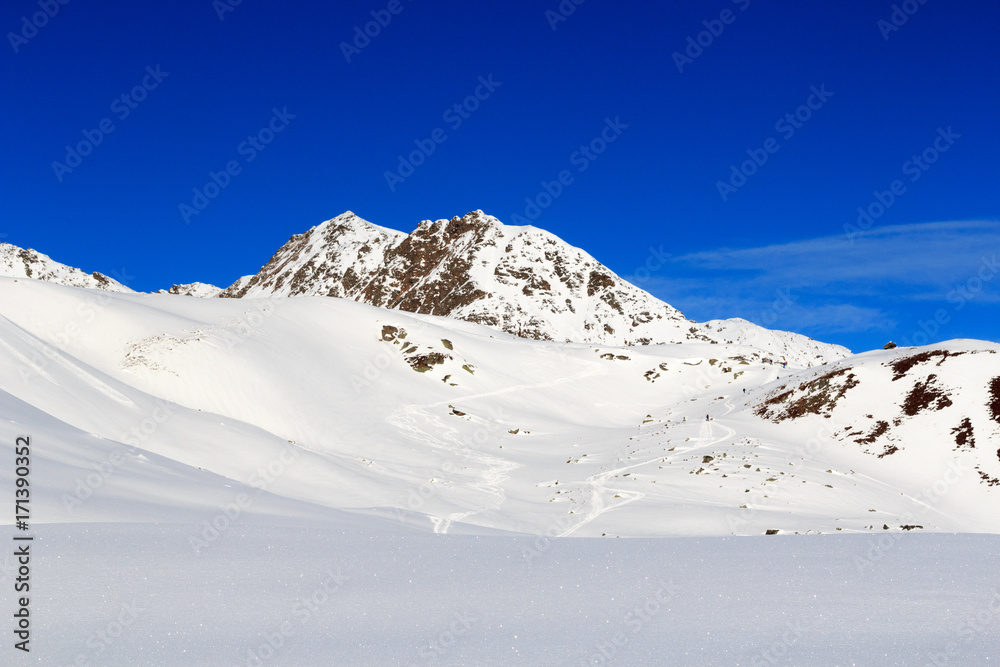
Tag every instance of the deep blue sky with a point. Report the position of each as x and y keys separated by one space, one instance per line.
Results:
x=778 y=239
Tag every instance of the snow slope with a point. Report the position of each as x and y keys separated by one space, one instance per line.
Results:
x=397 y=414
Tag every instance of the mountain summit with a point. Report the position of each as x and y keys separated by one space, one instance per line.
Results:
x=18 y=262
x=518 y=279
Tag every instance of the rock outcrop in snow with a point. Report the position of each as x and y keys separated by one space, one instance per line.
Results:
x=202 y=290
x=518 y=279
x=912 y=405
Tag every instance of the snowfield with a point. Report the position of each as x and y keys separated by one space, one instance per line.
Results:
x=269 y=594
x=331 y=483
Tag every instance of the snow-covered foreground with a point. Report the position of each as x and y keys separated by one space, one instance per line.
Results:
x=129 y=594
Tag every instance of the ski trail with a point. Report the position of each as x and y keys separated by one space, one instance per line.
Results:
x=599 y=481
x=424 y=425
x=598 y=484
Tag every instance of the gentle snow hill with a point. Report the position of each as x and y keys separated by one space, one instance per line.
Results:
x=448 y=425
x=518 y=279
x=17 y=262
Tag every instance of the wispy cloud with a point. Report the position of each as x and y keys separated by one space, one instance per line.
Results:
x=831 y=284
x=928 y=254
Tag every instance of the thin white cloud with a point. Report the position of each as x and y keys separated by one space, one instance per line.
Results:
x=927 y=254
x=835 y=285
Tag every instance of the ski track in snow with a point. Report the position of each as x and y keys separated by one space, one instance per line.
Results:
x=428 y=427
x=599 y=481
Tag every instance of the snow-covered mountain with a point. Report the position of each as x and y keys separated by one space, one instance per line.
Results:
x=518 y=279
x=450 y=425
x=18 y=262
x=329 y=460
x=521 y=280
x=409 y=376
x=202 y=290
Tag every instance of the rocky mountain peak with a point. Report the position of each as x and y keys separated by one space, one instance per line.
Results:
x=518 y=279
x=331 y=259
x=17 y=262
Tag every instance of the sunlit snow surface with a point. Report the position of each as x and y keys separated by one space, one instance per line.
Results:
x=348 y=597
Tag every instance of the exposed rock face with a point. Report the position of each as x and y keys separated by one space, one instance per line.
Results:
x=521 y=280
x=18 y=262
x=887 y=402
